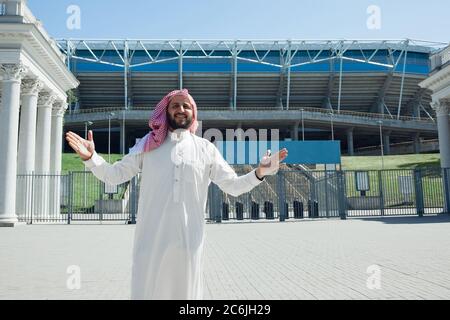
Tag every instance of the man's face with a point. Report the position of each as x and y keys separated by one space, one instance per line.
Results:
x=179 y=113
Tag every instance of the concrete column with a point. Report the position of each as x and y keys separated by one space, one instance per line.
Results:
x=27 y=144
x=27 y=131
x=14 y=7
x=9 y=126
x=326 y=104
x=43 y=132
x=122 y=138
x=58 y=111
x=442 y=108
x=380 y=106
x=294 y=132
x=42 y=166
x=416 y=143
x=416 y=110
x=350 y=148
x=386 y=142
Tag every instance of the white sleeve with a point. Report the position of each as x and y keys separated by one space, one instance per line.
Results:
x=117 y=173
x=226 y=178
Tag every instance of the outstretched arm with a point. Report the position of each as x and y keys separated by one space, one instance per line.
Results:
x=113 y=174
x=226 y=178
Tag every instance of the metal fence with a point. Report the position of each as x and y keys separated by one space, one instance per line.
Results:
x=291 y=194
x=76 y=196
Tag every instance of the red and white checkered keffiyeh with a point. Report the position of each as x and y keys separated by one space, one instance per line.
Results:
x=159 y=124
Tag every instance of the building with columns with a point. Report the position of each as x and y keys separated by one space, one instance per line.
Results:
x=439 y=84
x=33 y=84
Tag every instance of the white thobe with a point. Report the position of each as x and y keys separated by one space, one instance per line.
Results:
x=170 y=228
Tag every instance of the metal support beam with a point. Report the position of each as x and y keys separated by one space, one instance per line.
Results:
x=378 y=105
x=288 y=85
x=125 y=73
x=180 y=67
x=154 y=49
x=122 y=134
x=415 y=102
x=285 y=72
x=125 y=70
x=235 y=53
x=279 y=101
x=340 y=84
x=326 y=104
x=231 y=89
x=405 y=57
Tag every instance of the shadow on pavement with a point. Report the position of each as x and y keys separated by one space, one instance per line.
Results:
x=440 y=218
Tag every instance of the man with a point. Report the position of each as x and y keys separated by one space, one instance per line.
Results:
x=177 y=167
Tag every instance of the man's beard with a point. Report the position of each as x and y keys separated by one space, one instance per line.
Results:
x=180 y=124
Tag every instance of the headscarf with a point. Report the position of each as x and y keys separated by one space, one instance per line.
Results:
x=159 y=124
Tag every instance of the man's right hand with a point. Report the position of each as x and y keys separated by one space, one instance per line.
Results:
x=84 y=148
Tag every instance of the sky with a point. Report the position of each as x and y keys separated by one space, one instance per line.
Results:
x=245 y=19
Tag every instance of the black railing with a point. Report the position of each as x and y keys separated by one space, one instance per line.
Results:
x=290 y=194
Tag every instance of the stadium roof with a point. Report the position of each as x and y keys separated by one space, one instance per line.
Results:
x=358 y=75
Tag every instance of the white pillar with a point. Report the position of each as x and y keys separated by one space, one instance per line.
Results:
x=42 y=166
x=55 y=158
x=43 y=132
x=9 y=127
x=442 y=108
x=27 y=143
x=27 y=132
x=58 y=111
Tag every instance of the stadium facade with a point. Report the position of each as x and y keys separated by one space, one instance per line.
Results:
x=360 y=92
x=348 y=90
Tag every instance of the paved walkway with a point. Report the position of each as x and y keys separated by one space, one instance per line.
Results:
x=407 y=258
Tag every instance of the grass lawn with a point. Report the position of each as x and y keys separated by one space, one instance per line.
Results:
x=409 y=161
x=86 y=188
x=72 y=162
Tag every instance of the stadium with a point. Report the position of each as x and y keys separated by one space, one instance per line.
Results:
x=347 y=90
x=361 y=203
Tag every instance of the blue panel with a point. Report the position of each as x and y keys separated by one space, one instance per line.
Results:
x=417 y=63
x=207 y=65
x=157 y=67
x=300 y=152
x=86 y=66
x=256 y=67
